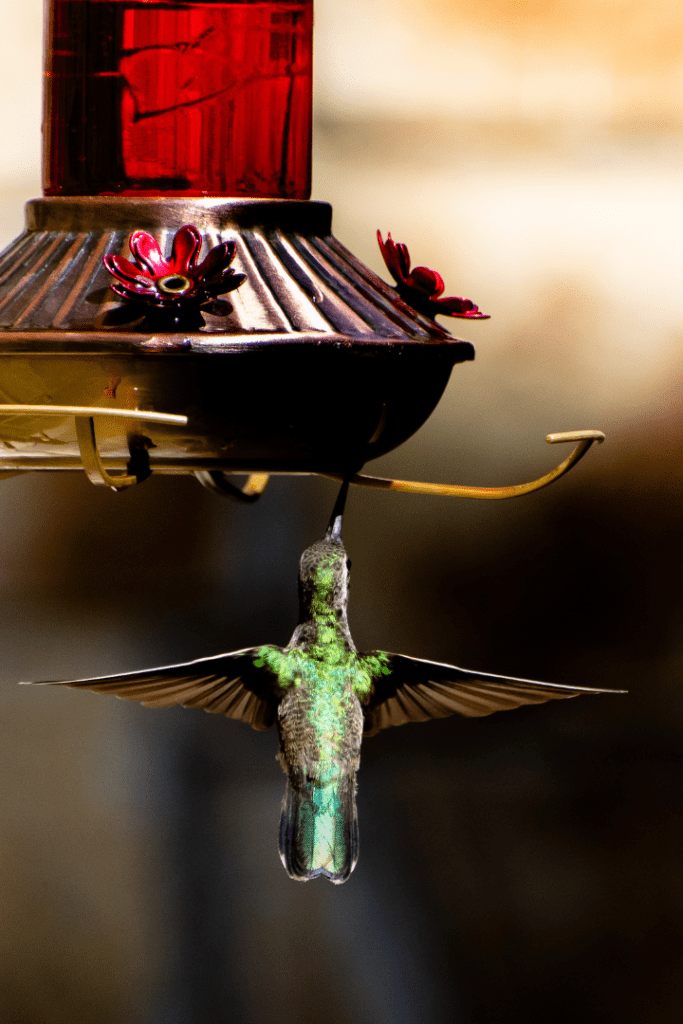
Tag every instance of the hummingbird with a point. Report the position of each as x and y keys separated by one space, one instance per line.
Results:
x=324 y=697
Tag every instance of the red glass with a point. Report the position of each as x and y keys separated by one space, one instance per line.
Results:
x=161 y=97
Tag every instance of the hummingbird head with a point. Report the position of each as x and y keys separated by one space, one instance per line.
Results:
x=324 y=569
x=324 y=579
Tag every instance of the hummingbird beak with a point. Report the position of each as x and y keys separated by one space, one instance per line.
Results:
x=334 y=529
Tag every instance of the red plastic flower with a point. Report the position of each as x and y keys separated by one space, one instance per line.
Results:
x=422 y=288
x=177 y=284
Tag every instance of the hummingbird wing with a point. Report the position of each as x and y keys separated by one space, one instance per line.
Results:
x=226 y=684
x=415 y=690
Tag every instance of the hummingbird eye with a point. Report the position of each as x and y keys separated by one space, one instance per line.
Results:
x=348 y=564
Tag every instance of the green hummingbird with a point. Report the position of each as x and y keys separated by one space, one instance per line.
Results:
x=324 y=697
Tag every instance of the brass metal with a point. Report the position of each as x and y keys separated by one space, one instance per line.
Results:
x=85 y=433
x=585 y=439
x=216 y=482
x=92 y=464
x=89 y=410
x=212 y=475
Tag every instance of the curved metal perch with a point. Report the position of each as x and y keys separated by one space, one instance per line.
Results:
x=87 y=443
x=215 y=481
x=585 y=439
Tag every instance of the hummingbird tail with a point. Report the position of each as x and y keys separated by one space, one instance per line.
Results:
x=319 y=828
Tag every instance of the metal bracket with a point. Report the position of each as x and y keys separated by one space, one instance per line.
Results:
x=215 y=481
x=87 y=442
x=585 y=439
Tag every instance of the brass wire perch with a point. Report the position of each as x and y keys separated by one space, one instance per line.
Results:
x=255 y=485
x=217 y=482
x=92 y=462
x=85 y=433
x=585 y=439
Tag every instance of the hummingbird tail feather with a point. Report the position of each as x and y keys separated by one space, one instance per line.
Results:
x=319 y=828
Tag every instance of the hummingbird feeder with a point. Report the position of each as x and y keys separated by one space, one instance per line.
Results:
x=177 y=304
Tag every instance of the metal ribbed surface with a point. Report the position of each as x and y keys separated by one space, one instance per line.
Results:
x=300 y=279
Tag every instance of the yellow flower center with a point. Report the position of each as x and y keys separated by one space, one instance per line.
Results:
x=174 y=284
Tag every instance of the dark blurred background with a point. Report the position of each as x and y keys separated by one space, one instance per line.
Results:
x=520 y=868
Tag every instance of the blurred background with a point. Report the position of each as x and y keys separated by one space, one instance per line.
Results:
x=524 y=867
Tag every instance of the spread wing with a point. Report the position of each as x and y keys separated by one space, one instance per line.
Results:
x=415 y=691
x=226 y=684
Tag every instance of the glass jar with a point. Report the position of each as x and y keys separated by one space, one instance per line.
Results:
x=165 y=97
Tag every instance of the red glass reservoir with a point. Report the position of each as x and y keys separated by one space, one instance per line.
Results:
x=151 y=97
